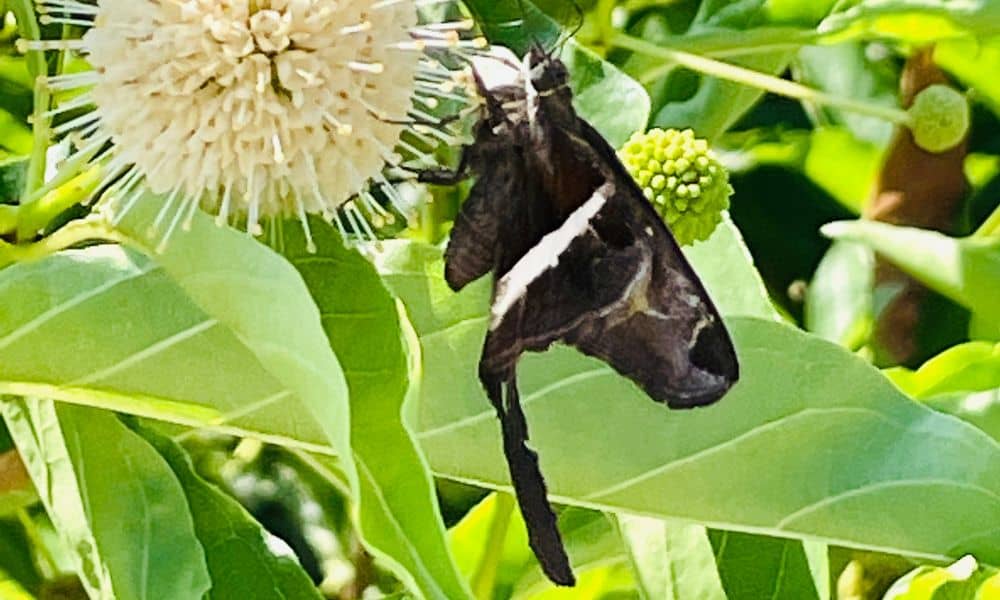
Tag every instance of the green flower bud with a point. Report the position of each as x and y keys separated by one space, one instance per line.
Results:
x=690 y=190
x=940 y=118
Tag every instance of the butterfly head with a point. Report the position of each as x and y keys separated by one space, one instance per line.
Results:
x=547 y=74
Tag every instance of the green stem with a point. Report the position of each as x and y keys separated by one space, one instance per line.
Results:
x=35 y=215
x=72 y=234
x=28 y=26
x=485 y=577
x=761 y=81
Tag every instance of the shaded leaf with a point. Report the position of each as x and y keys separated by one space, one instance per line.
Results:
x=236 y=549
x=754 y=566
x=716 y=104
x=114 y=500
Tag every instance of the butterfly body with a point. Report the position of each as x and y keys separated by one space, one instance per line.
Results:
x=578 y=256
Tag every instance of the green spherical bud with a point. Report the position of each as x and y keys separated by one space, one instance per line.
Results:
x=939 y=118
x=688 y=187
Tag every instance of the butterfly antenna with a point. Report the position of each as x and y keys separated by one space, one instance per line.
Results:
x=524 y=23
x=570 y=34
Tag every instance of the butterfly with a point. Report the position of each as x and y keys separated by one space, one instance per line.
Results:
x=578 y=256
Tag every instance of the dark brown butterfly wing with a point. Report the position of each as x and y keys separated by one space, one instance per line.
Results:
x=579 y=256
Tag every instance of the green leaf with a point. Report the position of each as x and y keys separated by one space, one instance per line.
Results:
x=16 y=557
x=252 y=291
x=845 y=70
x=592 y=543
x=11 y=589
x=671 y=560
x=839 y=305
x=471 y=539
x=962 y=579
x=398 y=514
x=779 y=455
x=716 y=105
x=15 y=136
x=593 y=80
x=982 y=409
x=728 y=271
x=754 y=566
x=971 y=367
x=844 y=166
x=76 y=327
x=916 y=21
x=967 y=270
x=239 y=560
x=114 y=500
x=971 y=60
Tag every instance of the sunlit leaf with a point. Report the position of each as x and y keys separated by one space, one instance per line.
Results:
x=398 y=515
x=672 y=560
x=778 y=454
x=967 y=270
x=839 y=305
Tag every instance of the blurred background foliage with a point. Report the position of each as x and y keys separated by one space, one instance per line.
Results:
x=796 y=166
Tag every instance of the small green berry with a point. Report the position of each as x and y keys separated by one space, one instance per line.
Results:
x=682 y=178
x=940 y=118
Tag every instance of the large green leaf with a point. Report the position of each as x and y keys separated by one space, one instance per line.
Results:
x=967 y=270
x=114 y=500
x=239 y=560
x=186 y=367
x=754 y=566
x=398 y=516
x=252 y=291
x=107 y=327
x=671 y=560
x=779 y=455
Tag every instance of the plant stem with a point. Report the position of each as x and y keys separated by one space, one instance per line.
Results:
x=28 y=26
x=35 y=215
x=485 y=576
x=70 y=235
x=762 y=81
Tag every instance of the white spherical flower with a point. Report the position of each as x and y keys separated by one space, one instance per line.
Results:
x=249 y=108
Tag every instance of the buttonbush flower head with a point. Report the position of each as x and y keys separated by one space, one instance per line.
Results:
x=682 y=178
x=939 y=118
x=251 y=109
